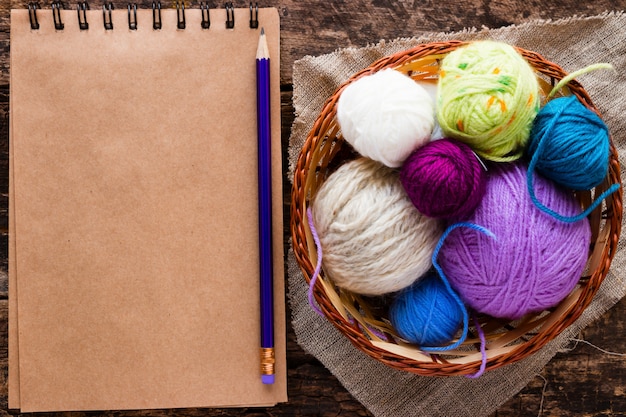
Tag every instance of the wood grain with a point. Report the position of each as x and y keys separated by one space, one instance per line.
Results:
x=580 y=382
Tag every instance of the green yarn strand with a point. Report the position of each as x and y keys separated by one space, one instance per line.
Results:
x=575 y=74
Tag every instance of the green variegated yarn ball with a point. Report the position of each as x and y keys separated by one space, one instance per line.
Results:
x=488 y=97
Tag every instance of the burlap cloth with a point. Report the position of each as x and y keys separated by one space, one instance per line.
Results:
x=573 y=44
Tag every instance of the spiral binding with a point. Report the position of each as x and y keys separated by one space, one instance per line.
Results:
x=254 y=19
x=107 y=20
x=180 y=15
x=32 y=15
x=206 y=20
x=82 y=22
x=56 y=15
x=230 y=15
x=156 y=15
x=132 y=20
x=83 y=6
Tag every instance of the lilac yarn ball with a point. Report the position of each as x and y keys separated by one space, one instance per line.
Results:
x=533 y=262
x=444 y=179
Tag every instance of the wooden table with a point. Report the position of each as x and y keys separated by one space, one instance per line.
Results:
x=582 y=382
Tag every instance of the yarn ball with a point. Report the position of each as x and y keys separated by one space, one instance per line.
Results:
x=385 y=116
x=488 y=98
x=374 y=241
x=444 y=179
x=570 y=144
x=534 y=260
x=426 y=314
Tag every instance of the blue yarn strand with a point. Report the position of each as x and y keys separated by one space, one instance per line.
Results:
x=533 y=163
x=449 y=288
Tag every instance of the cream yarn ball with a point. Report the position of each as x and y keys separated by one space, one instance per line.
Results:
x=374 y=241
x=386 y=116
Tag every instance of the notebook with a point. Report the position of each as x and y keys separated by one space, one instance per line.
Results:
x=134 y=257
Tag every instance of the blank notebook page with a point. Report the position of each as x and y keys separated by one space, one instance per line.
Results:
x=134 y=189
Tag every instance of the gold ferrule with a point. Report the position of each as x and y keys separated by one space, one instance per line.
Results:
x=267 y=361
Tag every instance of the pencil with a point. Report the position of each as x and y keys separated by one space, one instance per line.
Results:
x=265 y=210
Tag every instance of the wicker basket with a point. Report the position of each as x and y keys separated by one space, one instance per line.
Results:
x=362 y=320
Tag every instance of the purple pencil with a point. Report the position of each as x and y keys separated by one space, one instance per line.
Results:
x=265 y=210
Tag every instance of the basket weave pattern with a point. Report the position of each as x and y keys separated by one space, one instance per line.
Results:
x=362 y=320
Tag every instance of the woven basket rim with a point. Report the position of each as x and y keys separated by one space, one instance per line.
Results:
x=312 y=166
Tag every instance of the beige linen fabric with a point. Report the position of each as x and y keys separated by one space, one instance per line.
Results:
x=573 y=44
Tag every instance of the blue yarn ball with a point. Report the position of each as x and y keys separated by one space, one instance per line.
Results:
x=425 y=313
x=571 y=144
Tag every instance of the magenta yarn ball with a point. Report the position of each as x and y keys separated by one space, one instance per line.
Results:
x=533 y=262
x=444 y=179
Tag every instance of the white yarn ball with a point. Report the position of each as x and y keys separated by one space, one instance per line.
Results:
x=386 y=116
x=374 y=241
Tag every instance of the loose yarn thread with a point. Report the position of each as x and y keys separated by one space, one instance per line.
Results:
x=444 y=179
x=569 y=77
x=449 y=288
x=479 y=330
x=318 y=264
x=483 y=351
x=488 y=98
x=385 y=116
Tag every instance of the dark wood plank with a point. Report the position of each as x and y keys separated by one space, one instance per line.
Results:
x=312 y=28
x=582 y=382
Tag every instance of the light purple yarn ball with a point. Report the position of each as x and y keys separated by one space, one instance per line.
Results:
x=533 y=262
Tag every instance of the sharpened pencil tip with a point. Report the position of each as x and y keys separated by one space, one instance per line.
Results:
x=262 y=50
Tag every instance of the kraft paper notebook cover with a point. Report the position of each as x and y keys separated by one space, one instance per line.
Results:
x=134 y=217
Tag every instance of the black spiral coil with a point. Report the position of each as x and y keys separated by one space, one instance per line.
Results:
x=106 y=17
x=32 y=15
x=107 y=8
x=82 y=17
x=56 y=15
